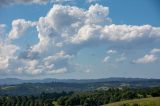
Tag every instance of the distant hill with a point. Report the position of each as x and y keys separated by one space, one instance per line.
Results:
x=13 y=86
x=13 y=81
x=154 y=101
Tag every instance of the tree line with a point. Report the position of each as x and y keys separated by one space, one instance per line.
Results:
x=45 y=99
x=111 y=95
x=90 y=98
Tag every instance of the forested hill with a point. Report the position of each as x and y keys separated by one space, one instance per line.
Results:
x=35 y=88
x=12 y=81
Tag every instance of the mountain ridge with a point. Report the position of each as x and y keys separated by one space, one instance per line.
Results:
x=14 y=81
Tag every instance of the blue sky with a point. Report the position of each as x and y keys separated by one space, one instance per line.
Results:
x=80 y=38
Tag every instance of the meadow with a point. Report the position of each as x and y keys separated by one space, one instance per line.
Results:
x=153 y=101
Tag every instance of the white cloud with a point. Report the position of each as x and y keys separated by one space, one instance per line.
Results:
x=2 y=29
x=61 y=1
x=40 y=2
x=91 y=1
x=88 y=70
x=126 y=32
x=86 y=33
x=54 y=29
x=60 y=39
x=54 y=64
x=59 y=60
x=155 y=50
x=7 y=52
x=81 y=26
x=155 y=32
x=11 y=2
x=19 y=26
x=58 y=71
x=106 y=59
x=98 y=15
x=60 y=55
x=121 y=58
x=74 y=18
x=111 y=51
x=146 y=59
x=117 y=33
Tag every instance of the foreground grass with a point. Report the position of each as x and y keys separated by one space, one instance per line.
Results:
x=55 y=103
x=154 y=101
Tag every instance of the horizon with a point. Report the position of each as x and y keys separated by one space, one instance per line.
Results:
x=79 y=39
x=80 y=79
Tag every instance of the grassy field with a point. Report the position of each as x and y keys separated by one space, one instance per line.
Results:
x=138 y=102
x=55 y=103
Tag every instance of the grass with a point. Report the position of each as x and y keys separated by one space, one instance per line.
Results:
x=55 y=103
x=154 y=101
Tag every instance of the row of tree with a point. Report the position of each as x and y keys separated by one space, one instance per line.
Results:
x=23 y=101
x=101 y=97
x=92 y=98
x=45 y=99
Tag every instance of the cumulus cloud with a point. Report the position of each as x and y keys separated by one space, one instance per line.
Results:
x=127 y=32
x=155 y=50
x=63 y=32
x=114 y=58
x=11 y=64
x=53 y=64
x=7 y=52
x=86 y=33
x=91 y=1
x=83 y=26
x=75 y=28
x=2 y=29
x=118 y=33
x=123 y=33
x=60 y=59
x=98 y=15
x=19 y=26
x=148 y=58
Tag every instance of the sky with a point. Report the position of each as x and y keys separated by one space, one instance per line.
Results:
x=79 y=39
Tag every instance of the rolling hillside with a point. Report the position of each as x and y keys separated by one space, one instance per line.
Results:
x=36 y=87
x=154 y=101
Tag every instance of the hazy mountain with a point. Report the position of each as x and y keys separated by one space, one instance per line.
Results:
x=13 y=81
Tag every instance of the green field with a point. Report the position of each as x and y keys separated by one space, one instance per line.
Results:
x=154 y=101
